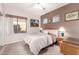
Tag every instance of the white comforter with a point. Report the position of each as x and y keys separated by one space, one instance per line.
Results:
x=38 y=41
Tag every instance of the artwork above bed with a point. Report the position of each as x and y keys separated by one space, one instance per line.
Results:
x=34 y=23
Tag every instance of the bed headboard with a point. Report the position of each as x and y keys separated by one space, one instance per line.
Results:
x=51 y=31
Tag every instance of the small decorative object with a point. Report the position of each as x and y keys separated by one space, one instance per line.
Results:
x=34 y=23
x=45 y=21
x=49 y=21
x=61 y=32
x=56 y=19
x=41 y=29
x=72 y=16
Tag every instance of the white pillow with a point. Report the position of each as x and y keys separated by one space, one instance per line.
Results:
x=51 y=31
x=45 y=31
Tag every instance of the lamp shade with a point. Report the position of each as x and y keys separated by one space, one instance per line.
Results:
x=41 y=29
x=61 y=29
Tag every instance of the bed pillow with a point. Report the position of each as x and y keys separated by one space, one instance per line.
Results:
x=50 y=31
x=45 y=31
x=53 y=32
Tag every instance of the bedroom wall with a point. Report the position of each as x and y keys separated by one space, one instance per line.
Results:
x=2 y=33
x=31 y=29
x=5 y=28
x=16 y=12
x=71 y=27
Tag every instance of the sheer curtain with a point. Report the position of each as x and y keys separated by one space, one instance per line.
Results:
x=10 y=35
x=9 y=25
x=1 y=30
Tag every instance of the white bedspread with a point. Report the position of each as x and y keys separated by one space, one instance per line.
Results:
x=38 y=41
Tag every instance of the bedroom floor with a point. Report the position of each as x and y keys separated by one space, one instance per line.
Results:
x=20 y=48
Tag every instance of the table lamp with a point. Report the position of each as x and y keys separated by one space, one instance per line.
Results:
x=61 y=32
x=41 y=29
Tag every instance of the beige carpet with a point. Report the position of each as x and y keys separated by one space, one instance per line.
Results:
x=20 y=48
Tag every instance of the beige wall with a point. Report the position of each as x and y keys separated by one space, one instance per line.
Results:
x=71 y=27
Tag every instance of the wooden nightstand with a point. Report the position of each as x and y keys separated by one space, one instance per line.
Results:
x=70 y=48
x=59 y=41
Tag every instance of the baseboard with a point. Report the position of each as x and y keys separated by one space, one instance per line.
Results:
x=11 y=42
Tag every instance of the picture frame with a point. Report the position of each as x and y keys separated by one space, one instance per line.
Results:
x=45 y=21
x=56 y=19
x=34 y=23
x=72 y=16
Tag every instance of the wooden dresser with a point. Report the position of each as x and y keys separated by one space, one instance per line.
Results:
x=69 y=47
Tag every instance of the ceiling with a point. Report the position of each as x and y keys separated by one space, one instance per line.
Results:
x=31 y=9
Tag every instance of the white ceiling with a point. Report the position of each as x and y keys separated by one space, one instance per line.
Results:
x=30 y=9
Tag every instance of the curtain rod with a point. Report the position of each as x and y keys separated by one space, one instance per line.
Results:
x=14 y=16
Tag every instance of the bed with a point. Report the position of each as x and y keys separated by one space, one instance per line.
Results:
x=38 y=41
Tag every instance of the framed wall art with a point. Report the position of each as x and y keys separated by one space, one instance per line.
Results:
x=34 y=23
x=56 y=19
x=72 y=16
x=45 y=21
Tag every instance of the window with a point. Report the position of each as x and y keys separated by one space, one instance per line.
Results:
x=19 y=23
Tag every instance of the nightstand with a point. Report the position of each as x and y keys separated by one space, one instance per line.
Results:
x=69 y=47
x=59 y=41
